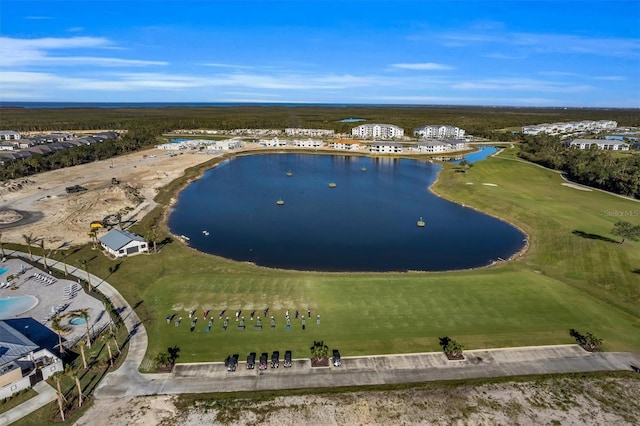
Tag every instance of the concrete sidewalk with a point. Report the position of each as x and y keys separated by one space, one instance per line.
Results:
x=371 y=370
x=46 y=394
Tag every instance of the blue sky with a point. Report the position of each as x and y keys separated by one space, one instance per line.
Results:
x=523 y=53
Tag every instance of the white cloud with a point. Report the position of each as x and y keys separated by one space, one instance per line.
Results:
x=611 y=78
x=521 y=84
x=425 y=66
x=234 y=66
x=37 y=52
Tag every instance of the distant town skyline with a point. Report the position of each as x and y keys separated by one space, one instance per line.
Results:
x=502 y=53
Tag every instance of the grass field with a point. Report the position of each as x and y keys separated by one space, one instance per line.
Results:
x=573 y=276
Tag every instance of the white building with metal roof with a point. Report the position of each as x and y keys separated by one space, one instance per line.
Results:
x=120 y=243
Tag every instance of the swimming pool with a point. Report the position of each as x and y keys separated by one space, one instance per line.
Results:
x=4 y=269
x=13 y=306
x=77 y=321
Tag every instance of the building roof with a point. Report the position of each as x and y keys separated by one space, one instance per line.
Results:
x=117 y=238
x=597 y=141
x=13 y=344
x=396 y=144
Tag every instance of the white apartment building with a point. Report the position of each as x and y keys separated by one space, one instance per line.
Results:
x=438 y=131
x=439 y=146
x=570 y=127
x=313 y=133
x=308 y=143
x=386 y=148
x=345 y=145
x=9 y=135
x=273 y=143
x=226 y=145
x=378 y=131
x=613 y=145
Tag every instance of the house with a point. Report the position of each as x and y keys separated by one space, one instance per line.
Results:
x=274 y=143
x=7 y=146
x=431 y=147
x=345 y=144
x=377 y=131
x=22 y=362
x=612 y=145
x=120 y=243
x=9 y=135
x=309 y=132
x=386 y=148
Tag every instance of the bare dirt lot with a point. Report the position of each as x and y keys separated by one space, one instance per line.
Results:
x=555 y=401
x=40 y=206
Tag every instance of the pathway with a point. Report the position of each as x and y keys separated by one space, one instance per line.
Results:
x=46 y=394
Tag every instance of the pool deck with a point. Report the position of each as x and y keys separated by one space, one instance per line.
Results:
x=51 y=296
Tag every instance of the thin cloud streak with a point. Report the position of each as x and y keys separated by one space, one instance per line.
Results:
x=427 y=66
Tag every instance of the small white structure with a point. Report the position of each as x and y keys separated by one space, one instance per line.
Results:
x=438 y=131
x=9 y=135
x=386 y=148
x=584 y=126
x=22 y=362
x=613 y=145
x=226 y=145
x=121 y=243
x=378 y=131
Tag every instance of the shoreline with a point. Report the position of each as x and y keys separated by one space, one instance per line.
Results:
x=168 y=209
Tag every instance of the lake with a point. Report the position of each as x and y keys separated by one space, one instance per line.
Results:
x=366 y=223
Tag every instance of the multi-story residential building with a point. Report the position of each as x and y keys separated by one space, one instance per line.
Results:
x=314 y=133
x=440 y=146
x=275 y=142
x=378 y=131
x=308 y=143
x=584 y=126
x=345 y=144
x=613 y=145
x=438 y=131
x=9 y=135
x=386 y=148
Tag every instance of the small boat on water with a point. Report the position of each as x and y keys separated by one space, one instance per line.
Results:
x=289 y=173
x=280 y=202
x=364 y=169
x=205 y=233
x=332 y=185
x=420 y=223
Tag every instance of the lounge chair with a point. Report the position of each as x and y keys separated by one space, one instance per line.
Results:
x=251 y=361
x=337 y=362
x=263 y=361
x=275 y=359
x=287 y=359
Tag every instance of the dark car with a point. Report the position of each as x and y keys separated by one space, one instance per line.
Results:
x=337 y=362
x=232 y=363
x=287 y=359
x=251 y=361
x=263 y=361
x=275 y=359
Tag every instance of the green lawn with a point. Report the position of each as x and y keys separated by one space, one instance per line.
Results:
x=564 y=281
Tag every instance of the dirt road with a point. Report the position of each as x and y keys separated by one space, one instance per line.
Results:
x=40 y=206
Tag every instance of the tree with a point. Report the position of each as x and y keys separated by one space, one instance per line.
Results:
x=319 y=353
x=1 y=245
x=107 y=341
x=84 y=358
x=44 y=254
x=79 y=387
x=112 y=334
x=93 y=234
x=84 y=314
x=28 y=239
x=60 y=396
x=85 y=266
x=451 y=348
x=626 y=230
x=57 y=326
x=593 y=343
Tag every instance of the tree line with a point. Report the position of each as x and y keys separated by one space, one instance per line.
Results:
x=593 y=167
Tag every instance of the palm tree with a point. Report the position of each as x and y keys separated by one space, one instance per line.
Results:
x=93 y=234
x=44 y=255
x=57 y=326
x=84 y=314
x=85 y=266
x=84 y=358
x=112 y=334
x=1 y=245
x=106 y=339
x=77 y=379
x=28 y=239
x=60 y=396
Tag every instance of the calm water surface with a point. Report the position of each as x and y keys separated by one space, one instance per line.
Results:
x=366 y=223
